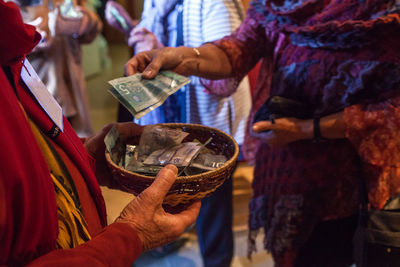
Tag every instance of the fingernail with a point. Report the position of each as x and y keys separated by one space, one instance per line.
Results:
x=147 y=72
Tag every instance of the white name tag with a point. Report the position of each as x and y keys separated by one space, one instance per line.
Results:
x=42 y=95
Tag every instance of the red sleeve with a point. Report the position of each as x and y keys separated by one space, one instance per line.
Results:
x=117 y=245
x=374 y=129
x=244 y=48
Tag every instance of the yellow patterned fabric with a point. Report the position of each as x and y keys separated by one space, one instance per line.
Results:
x=72 y=225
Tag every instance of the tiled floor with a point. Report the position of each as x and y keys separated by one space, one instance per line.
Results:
x=103 y=109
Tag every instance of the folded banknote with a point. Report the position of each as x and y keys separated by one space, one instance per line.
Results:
x=141 y=96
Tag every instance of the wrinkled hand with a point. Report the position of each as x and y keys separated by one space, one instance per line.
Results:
x=168 y=58
x=283 y=131
x=141 y=39
x=147 y=217
x=128 y=131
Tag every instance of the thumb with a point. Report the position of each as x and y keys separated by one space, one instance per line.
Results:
x=153 y=68
x=163 y=182
x=261 y=126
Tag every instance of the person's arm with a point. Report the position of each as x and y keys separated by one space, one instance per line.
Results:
x=211 y=62
x=141 y=226
x=369 y=127
x=374 y=130
x=117 y=245
x=286 y=130
x=234 y=55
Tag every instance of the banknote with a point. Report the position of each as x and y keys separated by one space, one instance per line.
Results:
x=111 y=138
x=146 y=170
x=140 y=96
x=208 y=161
x=156 y=137
x=130 y=157
x=202 y=147
x=180 y=155
x=115 y=146
x=205 y=162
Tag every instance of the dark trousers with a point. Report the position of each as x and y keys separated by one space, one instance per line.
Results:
x=214 y=227
x=330 y=245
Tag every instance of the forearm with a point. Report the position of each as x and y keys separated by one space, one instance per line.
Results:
x=210 y=62
x=117 y=245
x=333 y=126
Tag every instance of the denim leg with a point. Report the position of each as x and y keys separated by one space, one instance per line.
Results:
x=214 y=227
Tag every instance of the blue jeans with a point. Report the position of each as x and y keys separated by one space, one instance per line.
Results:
x=214 y=227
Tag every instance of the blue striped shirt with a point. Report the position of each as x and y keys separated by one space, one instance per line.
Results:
x=206 y=21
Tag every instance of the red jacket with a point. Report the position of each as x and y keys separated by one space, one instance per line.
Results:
x=28 y=211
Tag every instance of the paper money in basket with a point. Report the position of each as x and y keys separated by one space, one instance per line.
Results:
x=160 y=146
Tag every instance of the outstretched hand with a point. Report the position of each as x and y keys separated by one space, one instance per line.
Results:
x=179 y=60
x=150 y=221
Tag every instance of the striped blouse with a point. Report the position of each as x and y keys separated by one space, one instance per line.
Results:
x=205 y=21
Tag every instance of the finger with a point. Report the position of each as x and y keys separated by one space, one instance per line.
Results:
x=145 y=30
x=136 y=38
x=163 y=182
x=262 y=126
x=189 y=215
x=131 y=41
x=144 y=60
x=136 y=30
x=153 y=68
x=131 y=66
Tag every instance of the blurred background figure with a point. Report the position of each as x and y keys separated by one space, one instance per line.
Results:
x=191 y=23
x=64 y=26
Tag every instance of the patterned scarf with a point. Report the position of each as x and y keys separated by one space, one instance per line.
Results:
x=342 y=25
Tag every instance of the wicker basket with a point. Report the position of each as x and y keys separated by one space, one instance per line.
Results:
x=186 y=189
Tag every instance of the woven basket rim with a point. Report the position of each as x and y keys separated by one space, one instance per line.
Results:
x=183 y=179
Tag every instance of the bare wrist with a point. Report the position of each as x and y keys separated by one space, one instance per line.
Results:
x=333 y=126
x=306 y=128
x=191 y=59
